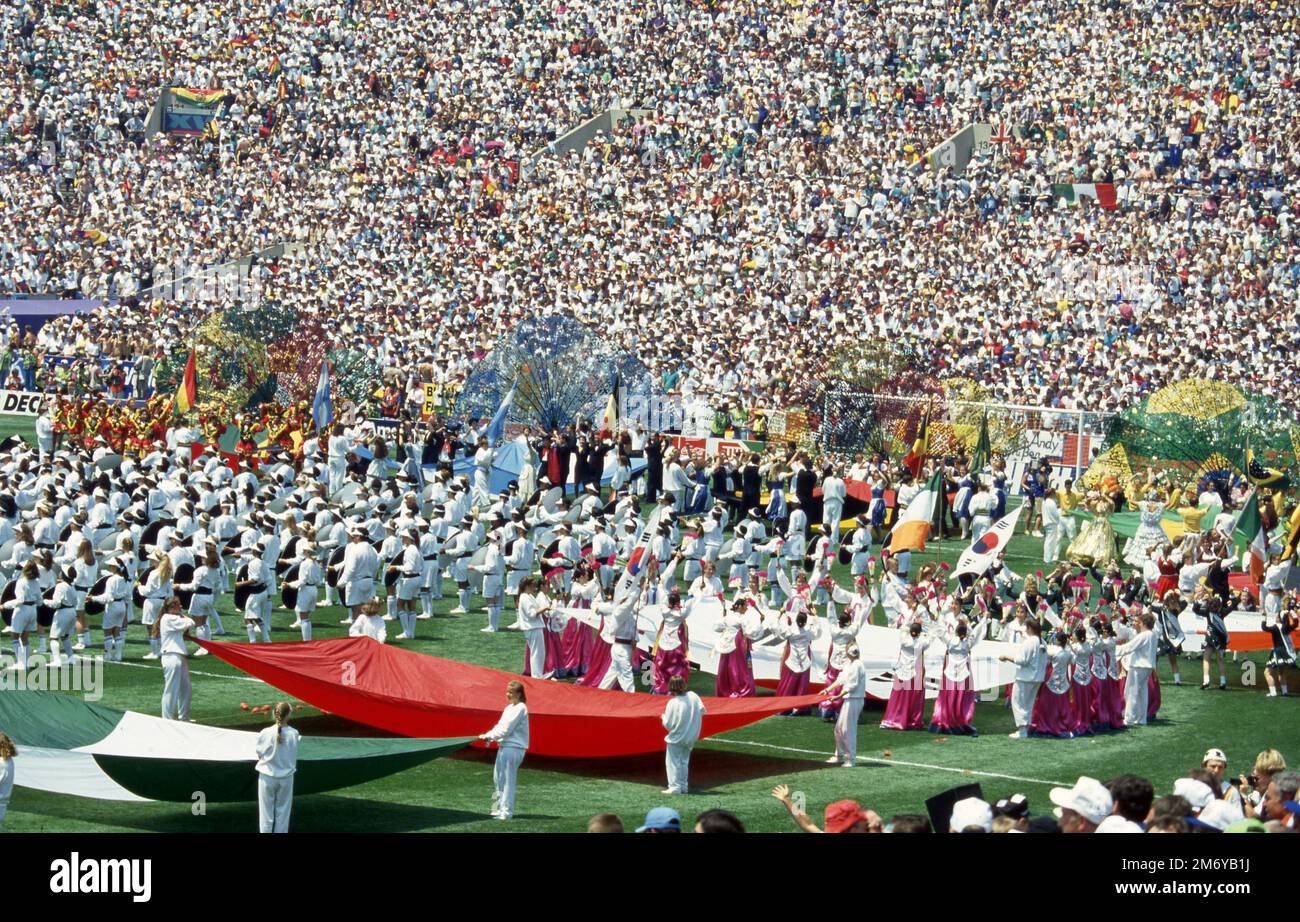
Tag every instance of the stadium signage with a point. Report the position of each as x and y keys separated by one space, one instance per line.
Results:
x=21 y=403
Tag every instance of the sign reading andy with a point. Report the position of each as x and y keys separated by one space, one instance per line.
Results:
x=21 y=403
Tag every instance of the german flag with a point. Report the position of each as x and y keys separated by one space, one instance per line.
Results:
x=187 y=395
x=915 y=459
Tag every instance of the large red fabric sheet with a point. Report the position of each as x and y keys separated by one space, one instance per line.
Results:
x=412 y=694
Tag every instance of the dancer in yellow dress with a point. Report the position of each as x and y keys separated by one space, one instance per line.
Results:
x=1095 y=544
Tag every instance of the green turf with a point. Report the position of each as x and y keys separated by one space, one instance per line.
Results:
x=896 y=773
x=12 y=424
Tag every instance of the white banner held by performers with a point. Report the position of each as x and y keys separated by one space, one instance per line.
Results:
x=976 y=558
x=21 y=403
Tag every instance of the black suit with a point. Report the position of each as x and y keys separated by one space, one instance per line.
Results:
x=654 y=472
x=751 y=485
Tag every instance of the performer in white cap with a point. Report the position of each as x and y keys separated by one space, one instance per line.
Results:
x=277 y=760
x=307 y=580
x=410 y=575
x=173 y=627
x=360 y=564
x=115 y=598
x=254 y=582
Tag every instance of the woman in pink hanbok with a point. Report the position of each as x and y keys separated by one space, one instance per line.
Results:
x=906 y=707
x=1053 y=714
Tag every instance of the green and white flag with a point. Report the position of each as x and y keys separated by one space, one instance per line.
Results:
x=1103 y=193
x=70 y=746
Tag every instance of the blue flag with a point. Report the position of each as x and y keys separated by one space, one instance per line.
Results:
x=497 y=428
x=322 y=408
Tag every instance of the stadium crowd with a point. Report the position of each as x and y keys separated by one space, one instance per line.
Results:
x=774 y=201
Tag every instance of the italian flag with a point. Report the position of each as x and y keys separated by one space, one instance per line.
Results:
x=913 y=526
x=1250 y=525
x=70 y=746
x=1103 y=193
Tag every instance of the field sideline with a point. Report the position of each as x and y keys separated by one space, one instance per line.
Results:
x=896 y=772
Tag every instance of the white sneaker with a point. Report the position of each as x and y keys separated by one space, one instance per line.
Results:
x=488 y=630
x=833 y=760
x=846 y=765
x=200 y=652
x=78 y=646
x=389 y=618
x=458 y=611
x=667 y=791
x=423 y=617
x=296 y=624
x=150 y=656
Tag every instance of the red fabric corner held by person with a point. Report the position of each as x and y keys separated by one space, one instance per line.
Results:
x=424 y=696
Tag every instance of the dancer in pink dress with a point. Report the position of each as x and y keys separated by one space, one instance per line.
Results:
x=577 y=639
x=906 y=707
x=672 y=643
x=1053 y=714
x=1082 y=685
x=737 y=629
x=954 y=709
x=798 y=632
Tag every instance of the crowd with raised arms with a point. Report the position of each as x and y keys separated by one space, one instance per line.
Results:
x=770 y=204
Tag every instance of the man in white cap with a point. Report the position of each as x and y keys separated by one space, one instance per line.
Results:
x=1197 y=793
x=1216 y=763
x=851 y=685
x=360 y=564
x=1082 y=808
x=971 y=815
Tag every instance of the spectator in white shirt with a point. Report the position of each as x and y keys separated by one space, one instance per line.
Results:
x=683 y=719
x=173 y=628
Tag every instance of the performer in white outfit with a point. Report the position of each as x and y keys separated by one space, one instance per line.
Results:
x=277 y=760
x=851 y=685
x=1142 y=652
x=308 y=581
x=534 y=605
x=511 y=736
x=619 y=631
x=172 y=629
x=834 y=492
x=683 y=718
x=360 y=564
x=1031 y=660
x=8 y=752
x=1053 y=529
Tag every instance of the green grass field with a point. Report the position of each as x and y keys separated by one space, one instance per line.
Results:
x=896 y=773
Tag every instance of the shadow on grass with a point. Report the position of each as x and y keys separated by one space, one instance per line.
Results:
x=710 y=768
x=311 y=813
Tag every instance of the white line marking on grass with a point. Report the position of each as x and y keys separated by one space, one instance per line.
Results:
x=211 y=675
x=937 y=768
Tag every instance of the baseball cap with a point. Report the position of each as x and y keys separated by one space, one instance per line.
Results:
x=842 y=815
x=1214 y=755
x=1015 y=806
x=1117 y=823
x=971 y=812
x=1088 y=798
x=1196 y=793
x=662 y=818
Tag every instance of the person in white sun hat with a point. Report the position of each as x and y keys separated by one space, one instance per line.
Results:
x=1082 y=808
x=971 y=815
x=1197 y=793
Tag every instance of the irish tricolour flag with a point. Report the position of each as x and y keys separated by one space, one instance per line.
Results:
x=913 y=526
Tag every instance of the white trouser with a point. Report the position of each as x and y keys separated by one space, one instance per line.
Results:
x=978 y=525
x=620 y=667
x=1052 y=544
x=338 y=472
x=846 y=729
x=1071 y=526
x=1022 y=702
x=831 y=522
x=536 y=642
x=504 y=775
x=176 y=687
x=274 y=800
x=678 y=759
x=1135 y=696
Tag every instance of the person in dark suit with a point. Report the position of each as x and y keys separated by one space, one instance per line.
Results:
x=581 y=471
x=654 y=472
x=751 y=483
x=804 y=483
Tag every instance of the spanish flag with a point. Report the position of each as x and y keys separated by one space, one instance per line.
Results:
x=187 y=395
x=915 y=459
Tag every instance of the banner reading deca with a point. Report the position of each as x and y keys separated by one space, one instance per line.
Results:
x=21 y=403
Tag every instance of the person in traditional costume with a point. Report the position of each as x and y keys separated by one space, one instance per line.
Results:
x=1207 y=605
x=1053 y=715
x=954 y=708
x=1095 y=544
x=850 y=689
x=742 y=625
x=798 y=631
x=1083 y=687
x=1169 y=630
x=1031 y=661
x=906 y=707
x=1280 y=627
x=671 y=643
x=1149 y=534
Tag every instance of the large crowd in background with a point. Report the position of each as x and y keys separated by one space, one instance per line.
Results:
x=772 y=202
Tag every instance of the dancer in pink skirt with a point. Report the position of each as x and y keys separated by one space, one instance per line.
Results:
x=1053 y=715
x=671 y=644
x=796 y=660
x=954 y=709
x=1101 y=697
x=906 y=708
x=1082 y=686
x=577 y=639
x=1114 y=691
x=741 y=625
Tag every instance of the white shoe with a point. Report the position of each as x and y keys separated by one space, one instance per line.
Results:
x=423 y=617
x=458 y=611
x=846 y=765
x=346 y=621
x=296 y=624
x=78 y=646
x=200 y=652
x=667 y=791
x=150 y=656
x=833 y=760
x=389 y=618
x=503 y=816
x=488 y=630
